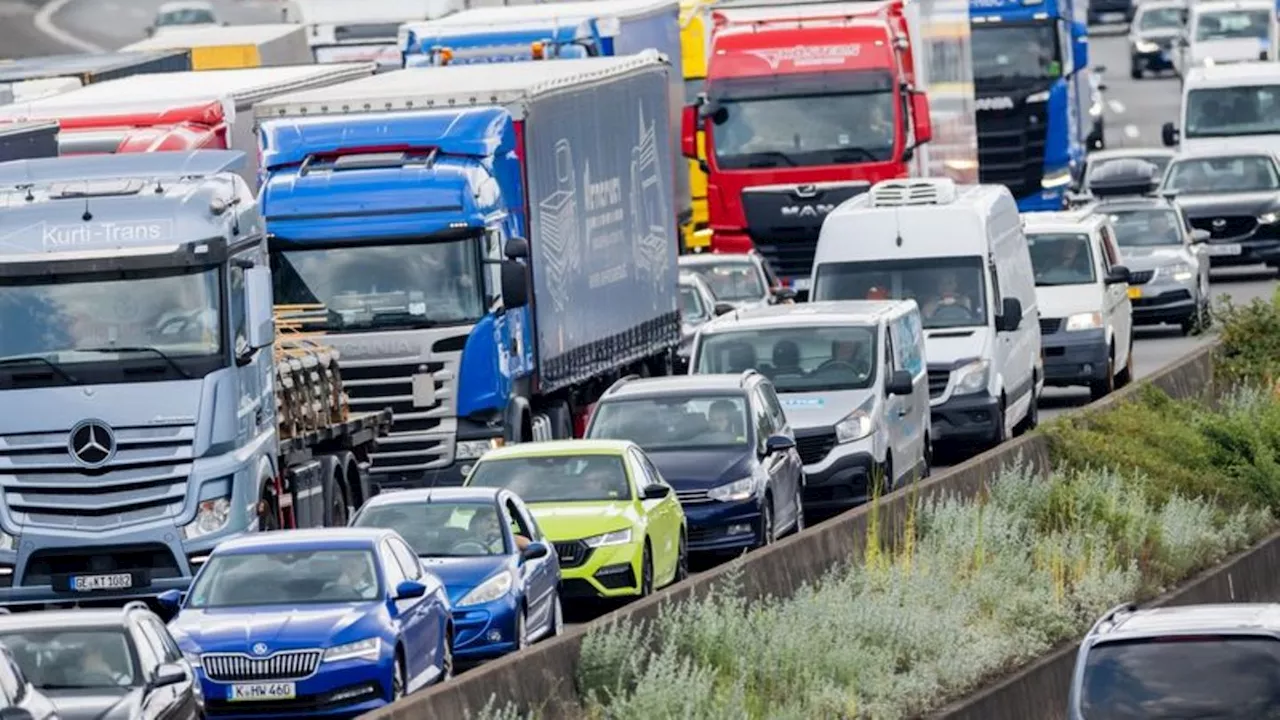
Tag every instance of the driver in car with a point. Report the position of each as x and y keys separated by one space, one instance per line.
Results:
x=949 y=295
x=486 y=528
x=849 y=354
x=95 y=669
x=1161 y=229
x=356 y=574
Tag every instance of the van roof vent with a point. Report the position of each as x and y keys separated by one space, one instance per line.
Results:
x=917 y=191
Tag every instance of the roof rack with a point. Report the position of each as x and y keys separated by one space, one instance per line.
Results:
x=1126 y=177
x=136 y=605
x=621 y=381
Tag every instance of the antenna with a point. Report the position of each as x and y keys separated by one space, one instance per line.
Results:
x=87 y=216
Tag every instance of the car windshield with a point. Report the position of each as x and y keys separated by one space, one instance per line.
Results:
x=674 y=422
x=286 y=577
x=176 y=313
x=73 y=659
x=1234 y=25
x=731 y=280
x=1162 y=18
x=1223 y=678
x=1004 y=52
x=441 y=529
x=797 y=359
x=691 y=308
x=1229 y=111
x=368 y=287
x=1061 y=259
x=1146 y=228
x=186 y=16
x=951 y=291
x=556 y=478
x=1160 y=161
x=1245 y=173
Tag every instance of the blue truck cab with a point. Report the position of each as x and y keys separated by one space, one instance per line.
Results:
x=457 y=44
x=1032 y=96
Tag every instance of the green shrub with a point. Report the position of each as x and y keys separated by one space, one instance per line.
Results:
x=1249 y=348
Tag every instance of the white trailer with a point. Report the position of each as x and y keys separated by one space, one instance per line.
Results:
x=234 y=46
x=350 y=31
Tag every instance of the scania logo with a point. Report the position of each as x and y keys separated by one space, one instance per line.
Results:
x=260 y=648
x=993 y=103
x=803 y=211
x=92 y=444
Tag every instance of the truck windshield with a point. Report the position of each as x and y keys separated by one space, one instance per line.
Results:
x=1242 y=173
x=1061 y=259
x=1240 y=110
x=365 y=287
x=1146 y=228
x=285 y=577
x=1234 y=25
x=805 y=124
x=1224 y=678
x=73 y=320
x=951 y=291
x=797 y=359
x=1011 y=52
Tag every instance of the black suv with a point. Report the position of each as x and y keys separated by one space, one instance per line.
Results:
x=724 y=444
x=113 y=664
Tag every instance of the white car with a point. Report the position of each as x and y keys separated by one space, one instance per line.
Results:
x=184 y=14
x=1221 y=32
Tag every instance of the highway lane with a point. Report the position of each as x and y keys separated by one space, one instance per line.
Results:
x=110 y=24
x=18 y=34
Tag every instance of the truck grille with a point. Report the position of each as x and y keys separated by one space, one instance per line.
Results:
x=1141 y=277
x=814 y=448
x=938 y=380
x=1232 y=227
x=145 y=480
x=239 y=667
x=1049 y=326
x=572 y=553
x=156 y=560
x=1011 y=148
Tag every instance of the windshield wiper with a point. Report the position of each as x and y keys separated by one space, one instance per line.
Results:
x=774 y=154
x=140 y=349
x=857 y=153
x=398 y=317
x=24 y=359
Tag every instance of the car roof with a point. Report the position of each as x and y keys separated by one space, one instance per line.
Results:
x=71 y=619
x=430 y=495
x=1083 y=219
x=1217 y=151
x=552 y=448
x=1188 y=620
x=1218 y=5
x=343 y=537
x=1153 y=4
x=1138 y=152
x=827 y=312
x=718 y=384
x=185 y=5
x=1131 y=202
x=713 y=258
x=1232 y=74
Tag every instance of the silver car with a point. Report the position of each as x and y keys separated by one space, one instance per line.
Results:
x=697 y=307
x=743 y=280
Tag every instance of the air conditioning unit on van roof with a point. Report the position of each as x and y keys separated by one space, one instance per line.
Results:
x=915 y=191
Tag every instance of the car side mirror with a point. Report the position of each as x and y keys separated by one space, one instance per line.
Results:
x=900 y=383
x=1169 y=134
x=1117 y=274
x=515 y=285
x=170 y=600
x=409 y=589
x=16 y=713
x=656 y=492
x=259 y=307
x=1010 y=318
x=169 y=674
x=778 y=443
x=784 y=294
x=534 y=551
x=1199 y=236
x=723 y=308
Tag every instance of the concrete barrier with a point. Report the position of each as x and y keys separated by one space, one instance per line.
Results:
x=542 y=679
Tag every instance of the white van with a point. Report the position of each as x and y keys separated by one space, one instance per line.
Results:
x=1236 y=106
x=851 y=378
x=1218 y=32
x=960 y=252
x=1086 y=316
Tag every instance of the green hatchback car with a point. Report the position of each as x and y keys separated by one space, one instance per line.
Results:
x=617 y=526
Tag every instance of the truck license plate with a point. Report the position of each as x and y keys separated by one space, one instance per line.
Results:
x=262 y=691
x=1135 y=293
x=1218 y=250
x=89 y=583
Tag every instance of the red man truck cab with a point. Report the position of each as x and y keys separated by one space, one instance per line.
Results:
x=805 y=106
x=191 y=127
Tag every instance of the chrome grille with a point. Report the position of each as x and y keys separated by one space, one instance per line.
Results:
x=938 y=381
x=1228 y=226
x=145 y=480
x=692 y=497
x=572 y=553
x=1049 y=326
x=238 y=667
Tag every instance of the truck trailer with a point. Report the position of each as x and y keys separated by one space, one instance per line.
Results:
x=808 y=104
x=488 y=250
x=346 y=31
x=234 y=46
x=187 y=110
x=155 y=410
x=29 y=79
x=20 y=141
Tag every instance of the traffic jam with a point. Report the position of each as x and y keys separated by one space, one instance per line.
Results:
x=344 y=361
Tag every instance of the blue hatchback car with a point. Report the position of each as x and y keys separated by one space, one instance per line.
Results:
x=332 y=622
x=504 y=596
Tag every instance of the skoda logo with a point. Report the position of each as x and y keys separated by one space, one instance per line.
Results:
x=1220 y=223
x=260 y=648
x=92 y=443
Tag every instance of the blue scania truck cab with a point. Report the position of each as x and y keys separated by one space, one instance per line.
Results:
x=1032 y=96
x=463 y=45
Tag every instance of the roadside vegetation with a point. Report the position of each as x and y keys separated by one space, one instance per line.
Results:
x=1146 y=494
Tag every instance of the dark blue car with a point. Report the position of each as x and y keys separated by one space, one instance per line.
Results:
x=332 y=622
x=504 y=596
x=724 y=444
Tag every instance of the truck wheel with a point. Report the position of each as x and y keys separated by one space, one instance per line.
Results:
x=268 y=511
x=335 y=496
x=561 y=421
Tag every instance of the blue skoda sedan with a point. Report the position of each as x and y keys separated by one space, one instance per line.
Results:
x=332 y=622
x=504 y=596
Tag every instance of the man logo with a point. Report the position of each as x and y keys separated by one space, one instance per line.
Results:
x=260 y=649
x=92 y=444
x=993 y=103
x=807 y=211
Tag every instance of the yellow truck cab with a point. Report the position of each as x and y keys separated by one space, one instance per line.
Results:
x=695 y=29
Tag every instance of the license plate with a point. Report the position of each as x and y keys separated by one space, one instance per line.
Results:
x=262 y=691
x=1135 y=293
x=1232 y=249
x=800 y=283
x=89 y=583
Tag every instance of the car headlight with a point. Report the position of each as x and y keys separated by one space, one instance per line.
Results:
x=1084 y=321
x=743 y=489
x=970 y=378
x=617 y=537
x=489 y=590
x=1269 y=218
x=370 y=649
x=473 y=449
x=211 y=516
x=857 y=424
x=1056 y=180
x=1180 y=272
x=1146 y=46
x=192 y=657
x=1042 y=96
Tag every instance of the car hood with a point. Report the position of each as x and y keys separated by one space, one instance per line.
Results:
x=1158 y=34
x=462 y=574
x=281 y=627
x=1061 y=301
x=1233 y=50
x=1245 y=203
x=945 y=346
x=573 y=521
x=96 y=703
x=821 y=410
x=1139 y=258
x=702 y=469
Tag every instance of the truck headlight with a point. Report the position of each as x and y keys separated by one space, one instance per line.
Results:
x=970 y=378
x=735 y=491
x=8 y=542
x=369 y=649
x=1146 y=46
x=1042 y=96
x=472 y=449
x=1268 y=218
x=1057 y=179
x=1180 y=272
x=211 y=516
x=1084 y=321
x=617 y=537
x=489 y=590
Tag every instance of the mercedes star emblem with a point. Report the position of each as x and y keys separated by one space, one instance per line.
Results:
x=1220 y=223
x=92 y=443
x=260 y=648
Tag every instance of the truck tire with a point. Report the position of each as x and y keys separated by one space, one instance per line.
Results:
x=517 y=426
x=561 y=420
x=334 y=492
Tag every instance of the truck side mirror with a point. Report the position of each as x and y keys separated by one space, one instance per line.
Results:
x=1169 y=134
x=1010 y=317
x=259 y=307
x=515 y=285
x=921 y=124
x=1080 y=46
x=689 y=132
x=517 y=248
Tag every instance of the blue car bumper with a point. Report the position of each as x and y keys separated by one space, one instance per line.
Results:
x=485 y=631
x=1074 y=358
x=341 y=689
x=717 y=527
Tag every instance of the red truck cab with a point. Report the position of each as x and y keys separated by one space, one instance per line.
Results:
x=201 y=126
x=804 y=107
